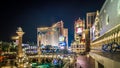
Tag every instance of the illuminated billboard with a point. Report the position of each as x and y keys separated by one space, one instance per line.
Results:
x=78 y=30
x=61 y=39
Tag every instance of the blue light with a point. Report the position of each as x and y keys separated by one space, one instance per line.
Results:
x=62 y=43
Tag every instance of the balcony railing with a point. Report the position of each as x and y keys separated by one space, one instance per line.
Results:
x=110 y=37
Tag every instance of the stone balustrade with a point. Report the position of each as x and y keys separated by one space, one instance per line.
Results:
x=113 y=35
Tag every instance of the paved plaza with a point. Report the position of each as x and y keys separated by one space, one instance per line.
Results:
x=83 y=62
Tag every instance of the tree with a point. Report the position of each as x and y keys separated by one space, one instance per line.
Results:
x=13 y=47
x=5 y=46
x=48 y=48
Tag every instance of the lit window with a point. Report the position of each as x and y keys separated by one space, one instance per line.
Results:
x=118 y=7
x=111 y=0
x=107 y=19
x=104 y=11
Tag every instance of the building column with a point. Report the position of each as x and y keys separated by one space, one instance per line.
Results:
x=20 y=52
x=39 y=49
x=96 y=64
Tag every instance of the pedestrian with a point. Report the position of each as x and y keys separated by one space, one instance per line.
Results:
x=80 y=66
x=75 y=65
x=60 y=63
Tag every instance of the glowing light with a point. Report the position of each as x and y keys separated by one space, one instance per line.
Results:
x=79 y=30
x=61 y=38
x=62 y=47
x=15 y=37
x=118 y=8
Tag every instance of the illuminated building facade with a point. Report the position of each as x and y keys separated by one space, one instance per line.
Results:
x=30 y=50
x=90 y=18
x=94 y=29
x=56 y=35
x=106 y=35
x=79 y=27
x=65 y=33
x=46 y=35
x=79 y=43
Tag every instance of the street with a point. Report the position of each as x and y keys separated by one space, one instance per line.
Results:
x=84 y=62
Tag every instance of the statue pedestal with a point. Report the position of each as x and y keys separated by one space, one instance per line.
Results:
x=20 y=62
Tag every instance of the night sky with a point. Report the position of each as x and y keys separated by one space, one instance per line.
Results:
x=30 y=14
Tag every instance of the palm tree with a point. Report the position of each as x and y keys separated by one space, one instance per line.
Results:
x=13 y=47
x=5 y=46
x=48 y=47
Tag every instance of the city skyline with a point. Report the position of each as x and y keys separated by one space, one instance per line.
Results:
x=69 y=34
x=33 y=14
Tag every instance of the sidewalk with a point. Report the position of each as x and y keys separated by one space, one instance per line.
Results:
x=83 y=61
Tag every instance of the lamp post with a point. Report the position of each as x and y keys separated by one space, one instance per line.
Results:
x=20 y=52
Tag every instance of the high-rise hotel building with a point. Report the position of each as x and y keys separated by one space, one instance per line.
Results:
x=90 y=18
x=56 y=35
x=79 y=41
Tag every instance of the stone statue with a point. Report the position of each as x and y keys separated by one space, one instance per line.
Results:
x=20 y=29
